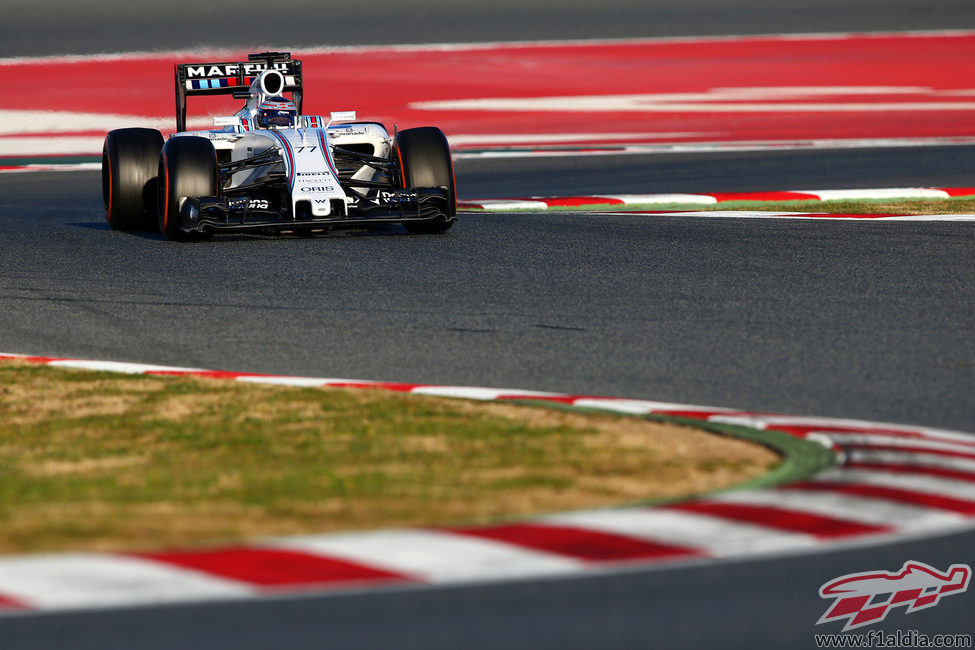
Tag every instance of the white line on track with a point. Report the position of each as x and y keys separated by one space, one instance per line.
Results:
x=863 y=510
x=932 y=485
x=712 y=535
x=740 y=214
x=881 y=440
x=486 y=45
x=73 y=580
x=910 y=459
x=87 y=580
x=434 y=556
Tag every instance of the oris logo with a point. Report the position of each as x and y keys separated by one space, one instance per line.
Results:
x=318 y=188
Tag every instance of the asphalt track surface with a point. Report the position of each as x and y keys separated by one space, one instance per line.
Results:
x=68 y=27
x=835 y=319
x=844 y=319
x=862 y=320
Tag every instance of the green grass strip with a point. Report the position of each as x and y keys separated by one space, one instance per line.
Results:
x=801 y=458
x=47 y=160
x=109 y=461
x=907 y=206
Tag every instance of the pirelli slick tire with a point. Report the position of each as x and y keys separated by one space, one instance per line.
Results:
x=424 y=157
x=187 y=168
x=129 y=163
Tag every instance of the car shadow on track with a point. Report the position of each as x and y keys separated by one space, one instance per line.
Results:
x=391 y=230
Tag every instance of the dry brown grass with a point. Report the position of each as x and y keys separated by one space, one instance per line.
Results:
x=107 y=462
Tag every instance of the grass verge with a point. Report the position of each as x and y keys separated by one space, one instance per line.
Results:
x=103 y=461
x=953 y=205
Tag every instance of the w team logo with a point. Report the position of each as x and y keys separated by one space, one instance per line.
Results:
x=866 y=598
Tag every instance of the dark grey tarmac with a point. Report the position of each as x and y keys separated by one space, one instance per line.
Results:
x=42 y=27
x=841 y=319
x=853 y=320
x=845 y=319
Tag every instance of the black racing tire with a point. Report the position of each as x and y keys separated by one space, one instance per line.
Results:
x=129 y=163
x=425 y=161
x=187 y=167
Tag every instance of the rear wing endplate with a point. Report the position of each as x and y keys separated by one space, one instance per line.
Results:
x=233 y=77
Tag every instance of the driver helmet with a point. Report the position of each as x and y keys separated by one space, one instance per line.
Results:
x=277 y=111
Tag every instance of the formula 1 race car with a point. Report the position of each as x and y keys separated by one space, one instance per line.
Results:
x=269 y=167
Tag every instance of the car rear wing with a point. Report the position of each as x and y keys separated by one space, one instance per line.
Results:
x=233 y=78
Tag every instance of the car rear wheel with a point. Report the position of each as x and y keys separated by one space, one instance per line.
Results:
x=425 y=161
x=129 y=160
x=187 y=168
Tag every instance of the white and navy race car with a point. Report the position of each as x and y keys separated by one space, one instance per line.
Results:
x=268 y=167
